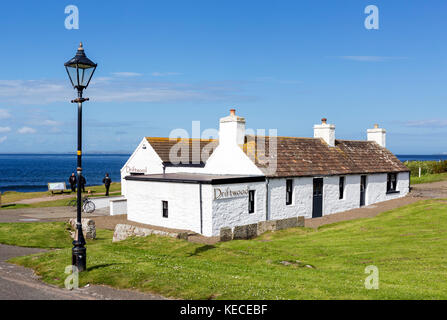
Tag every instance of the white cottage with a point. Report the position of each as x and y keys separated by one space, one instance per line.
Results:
x=205 y=185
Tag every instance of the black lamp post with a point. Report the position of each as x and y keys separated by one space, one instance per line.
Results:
x=80 y=70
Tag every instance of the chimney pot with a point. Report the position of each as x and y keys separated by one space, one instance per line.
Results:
x=232 y=112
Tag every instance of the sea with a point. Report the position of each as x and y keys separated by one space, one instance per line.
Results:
x=32 y=172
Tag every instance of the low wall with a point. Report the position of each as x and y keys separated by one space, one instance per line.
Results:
x=118 y=207
x=124 y=231
x=250 y=231
x=104 y=202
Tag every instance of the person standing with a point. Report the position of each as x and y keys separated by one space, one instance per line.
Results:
x=72 y=180
x=107 y=182
x=82 y=183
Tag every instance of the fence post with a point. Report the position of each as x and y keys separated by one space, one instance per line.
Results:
x=419 y=172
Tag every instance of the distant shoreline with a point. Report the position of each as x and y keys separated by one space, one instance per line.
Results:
x=123 y=153
x=66 y=154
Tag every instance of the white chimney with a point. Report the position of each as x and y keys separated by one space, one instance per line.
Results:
x=325 y=131
x=378 y=135
x=232 y=129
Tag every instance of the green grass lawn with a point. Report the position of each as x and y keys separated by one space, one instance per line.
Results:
x=427 y=178
x=408 y=245
x=36 y=235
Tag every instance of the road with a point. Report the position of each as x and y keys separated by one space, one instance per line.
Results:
x=45 y=214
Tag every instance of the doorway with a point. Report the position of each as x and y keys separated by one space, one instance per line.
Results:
x=362 y=190
x=317 y=208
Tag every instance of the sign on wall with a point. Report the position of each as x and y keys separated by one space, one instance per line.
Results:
x=129 y=169
x=229 y=193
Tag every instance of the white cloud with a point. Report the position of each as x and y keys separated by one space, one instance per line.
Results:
x=31 y=91
x=4 y=114
x=3 y=139
x=51 y=123
x=116 y=90
x=127 y=74
x=5 y=129
x=371 y=58
x=26 y=130
x=165 y=74
x=427 y=123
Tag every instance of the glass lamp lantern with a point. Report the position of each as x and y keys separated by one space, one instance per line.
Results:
x=80 y=69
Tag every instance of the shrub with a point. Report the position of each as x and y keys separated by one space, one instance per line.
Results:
x=427 y=167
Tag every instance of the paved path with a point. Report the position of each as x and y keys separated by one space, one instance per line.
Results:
x=18 y=283
x=56 y=197
x=45 y=214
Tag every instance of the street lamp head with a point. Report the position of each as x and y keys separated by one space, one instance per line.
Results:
x=80 y=69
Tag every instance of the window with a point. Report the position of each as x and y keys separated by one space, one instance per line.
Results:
x=251 y=201
x=165 y=209
x=341 y=187
x=289 y=191
x=391 y=182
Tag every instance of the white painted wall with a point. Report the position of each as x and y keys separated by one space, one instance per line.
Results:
x=144 y=201
x=331 y=193
x=144 y=204
x=104 y=202
x=301 y=199
x=233 y=212
x=376 y=190
x=118 y=207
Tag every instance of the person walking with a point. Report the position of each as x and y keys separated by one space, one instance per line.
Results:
x=82 y=183
x=107 y=181
x=72 y=180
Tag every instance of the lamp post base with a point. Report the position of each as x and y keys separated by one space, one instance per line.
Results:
x=79 y=251
x=79 y=257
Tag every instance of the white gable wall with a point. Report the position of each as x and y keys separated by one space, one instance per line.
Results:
x=230 y=159
x=141 y=159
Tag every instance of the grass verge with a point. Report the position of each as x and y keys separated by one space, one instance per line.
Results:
x=9 y=197
x=13 y=196
x=406 y=244
x=429 y=178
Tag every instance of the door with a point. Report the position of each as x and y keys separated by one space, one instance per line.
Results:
x=317 y=208
x=362 y=190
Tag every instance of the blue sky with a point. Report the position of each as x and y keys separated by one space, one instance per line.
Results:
x=281 y=64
